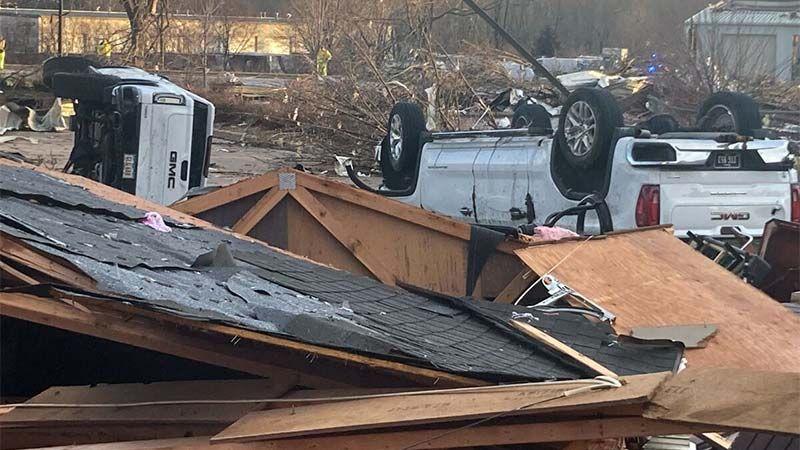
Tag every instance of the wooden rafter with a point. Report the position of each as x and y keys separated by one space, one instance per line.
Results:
x=322 y=215
x=228 y=194
x=15 y=250
x=255 y=214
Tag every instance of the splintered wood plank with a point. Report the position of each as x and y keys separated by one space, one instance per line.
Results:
x=426 y=439
x=650 y=278
x=343 y=235
x=251 y=218
x=735 y=398
x=562 y=348
x=54 y=267
x=16 y=274
x=430 y=408
x=161 y=412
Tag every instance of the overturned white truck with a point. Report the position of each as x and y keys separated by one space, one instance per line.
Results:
x=593 y=174
x=135 y=131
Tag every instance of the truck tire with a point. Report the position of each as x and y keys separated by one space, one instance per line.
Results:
x=402 y=144
x=586 y=127
x=529 y=115
x=87 y=87
x=64 y=64
x=393 y=180
x=660 y=124
x=729 y=112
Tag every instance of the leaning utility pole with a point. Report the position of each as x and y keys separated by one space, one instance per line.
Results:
x=540 y=69
x=60 y=27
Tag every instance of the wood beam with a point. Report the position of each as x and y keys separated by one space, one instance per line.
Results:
x=223 y=345
x=15 y=250
x=488 y=435
x=563 y=348
x=16 y=274
x=260 y=210
x=227 y=194
x=321 y=213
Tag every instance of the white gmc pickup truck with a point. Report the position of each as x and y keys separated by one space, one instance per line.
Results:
x=595 y=175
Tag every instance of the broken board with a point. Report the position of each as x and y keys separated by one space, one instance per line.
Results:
x=747 y=400
x=429 y=408
x=160 y=412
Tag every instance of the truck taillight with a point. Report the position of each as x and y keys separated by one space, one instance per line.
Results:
x=795 y=217
x=648 y=206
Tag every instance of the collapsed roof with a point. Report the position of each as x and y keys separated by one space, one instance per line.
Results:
x=249 y=285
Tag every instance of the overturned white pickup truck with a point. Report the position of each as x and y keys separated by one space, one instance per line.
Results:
x=718 y=179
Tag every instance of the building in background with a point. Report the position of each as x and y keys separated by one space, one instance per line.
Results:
x=749 y=38
x=239 y=43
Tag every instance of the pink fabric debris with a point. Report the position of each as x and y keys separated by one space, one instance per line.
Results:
x=554 y=233
x=156 y=222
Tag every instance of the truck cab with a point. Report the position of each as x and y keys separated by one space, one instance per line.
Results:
x=714 y=183
x=136 y=131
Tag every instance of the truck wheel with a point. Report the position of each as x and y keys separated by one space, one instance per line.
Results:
x=660 y=124
x=729 y=112
x=391 y=179
x=64 y=64
x=529 y=115
x=586 y=127
x=402 y=144
x=87 y=87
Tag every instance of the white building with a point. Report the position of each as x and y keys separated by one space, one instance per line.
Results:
x=749 y=38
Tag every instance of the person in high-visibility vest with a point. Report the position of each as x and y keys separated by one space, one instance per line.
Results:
x=2 y=53
x=104 y=49
x=323 y=57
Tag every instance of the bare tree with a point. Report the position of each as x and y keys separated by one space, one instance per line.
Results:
x=141 y=17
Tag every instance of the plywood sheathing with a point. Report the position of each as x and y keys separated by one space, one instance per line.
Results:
x=650 y=278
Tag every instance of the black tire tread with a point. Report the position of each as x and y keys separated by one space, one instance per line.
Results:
x=746 y=113
x=64 y=64
x=536 y=115
x=88 y=87
x=413 y=126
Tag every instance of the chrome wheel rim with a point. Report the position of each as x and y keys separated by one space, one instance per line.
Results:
x=396 y=138
x=580 y=127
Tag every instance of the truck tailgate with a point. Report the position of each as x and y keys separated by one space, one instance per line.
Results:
x=708 y=202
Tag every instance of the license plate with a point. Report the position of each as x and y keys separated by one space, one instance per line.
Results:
x=128 y=163
x=727 y=161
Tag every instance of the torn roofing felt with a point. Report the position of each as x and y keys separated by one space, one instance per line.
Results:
x=272 y=292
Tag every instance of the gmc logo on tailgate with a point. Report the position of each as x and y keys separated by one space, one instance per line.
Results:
x=730 y=215
x=172 y=170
